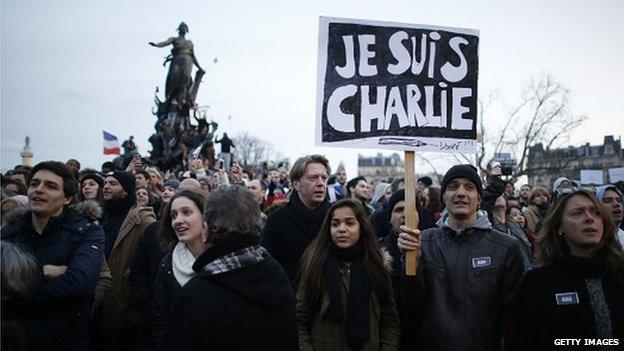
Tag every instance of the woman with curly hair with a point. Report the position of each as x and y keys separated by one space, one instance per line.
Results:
x=577 y=292
x=344 y=300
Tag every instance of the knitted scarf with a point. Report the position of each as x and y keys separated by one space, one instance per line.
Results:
x=182 y=263
x=358 y=309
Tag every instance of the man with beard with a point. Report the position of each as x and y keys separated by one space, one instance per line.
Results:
x=290 y=229
x=467 y=272
x=357 y=189
x=409 y=316
x=124 y=224
x=525 y=192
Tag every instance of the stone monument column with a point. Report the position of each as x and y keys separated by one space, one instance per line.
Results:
x=26 y=153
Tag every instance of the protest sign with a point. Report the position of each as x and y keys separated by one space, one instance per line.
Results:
x=616 y=174
x=589 y=176
x=386 y=85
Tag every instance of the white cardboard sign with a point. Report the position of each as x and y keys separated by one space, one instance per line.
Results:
x=616 y=174
x=589 y=176
x=397 y=86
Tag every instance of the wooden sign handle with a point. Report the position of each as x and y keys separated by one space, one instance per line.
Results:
x=411 y=217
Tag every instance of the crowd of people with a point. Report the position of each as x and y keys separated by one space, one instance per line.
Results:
x=303 y=258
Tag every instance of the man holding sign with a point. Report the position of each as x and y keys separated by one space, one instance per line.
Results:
x=467 y=272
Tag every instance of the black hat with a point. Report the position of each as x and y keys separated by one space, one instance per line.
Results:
x=426 y=180
x=96 y=177
x=397 y=196
x=462 y=171
x=126 y=179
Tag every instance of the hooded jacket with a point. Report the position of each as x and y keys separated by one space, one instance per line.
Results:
x=464 y=285
x=248 y=308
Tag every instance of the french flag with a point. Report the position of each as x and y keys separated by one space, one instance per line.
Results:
x=111 y=144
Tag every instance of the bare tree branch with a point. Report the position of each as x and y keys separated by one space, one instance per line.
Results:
x=542 y=116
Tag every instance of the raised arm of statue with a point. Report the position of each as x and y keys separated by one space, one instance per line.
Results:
x=162 y=44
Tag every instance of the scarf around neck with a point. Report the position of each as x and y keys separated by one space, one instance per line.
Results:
x=310 y=215
x=182 y=263
x=358 y=309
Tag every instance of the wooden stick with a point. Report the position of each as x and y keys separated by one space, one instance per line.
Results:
x=411 y=217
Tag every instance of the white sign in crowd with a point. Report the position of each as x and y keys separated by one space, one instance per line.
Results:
x=396 y=86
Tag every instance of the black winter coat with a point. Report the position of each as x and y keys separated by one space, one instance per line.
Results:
x=166 y=290
x=289 y=230
x=409 y=316
x=249 y=308
x=145 y=263
x=572 y=298
x=62 y=305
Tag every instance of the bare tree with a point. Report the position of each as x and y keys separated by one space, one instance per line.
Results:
x=542 y=116
x=251 y=150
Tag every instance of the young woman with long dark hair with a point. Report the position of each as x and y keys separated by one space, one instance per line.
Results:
x=344 y=300
x=181 y=233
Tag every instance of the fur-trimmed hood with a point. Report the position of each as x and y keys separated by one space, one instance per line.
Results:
x=387 y=259
x=89 y=209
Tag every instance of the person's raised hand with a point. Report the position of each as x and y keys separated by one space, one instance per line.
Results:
x=237 y=172
x=409 y=239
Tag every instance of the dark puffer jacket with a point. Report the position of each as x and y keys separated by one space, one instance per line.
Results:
x=62 y=305
x=464 y=285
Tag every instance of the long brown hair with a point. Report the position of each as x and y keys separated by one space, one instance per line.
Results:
x=312 y=271
x=168 y=238
x=551 y=245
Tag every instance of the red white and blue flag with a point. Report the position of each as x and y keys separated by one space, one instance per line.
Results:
x=111 y=144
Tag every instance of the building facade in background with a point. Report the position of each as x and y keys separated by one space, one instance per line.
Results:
x=545 y=166
x=381 y=167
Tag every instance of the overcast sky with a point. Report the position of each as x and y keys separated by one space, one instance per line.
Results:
x=71 y=69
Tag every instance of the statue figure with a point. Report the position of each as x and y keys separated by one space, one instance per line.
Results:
x=129 y=145
x=179 y=85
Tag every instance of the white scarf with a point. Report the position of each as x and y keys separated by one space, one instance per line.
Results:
x=182 y=263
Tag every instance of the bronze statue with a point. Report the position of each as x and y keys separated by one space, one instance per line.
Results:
x=179 y=87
